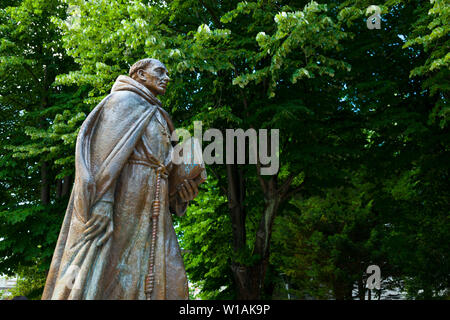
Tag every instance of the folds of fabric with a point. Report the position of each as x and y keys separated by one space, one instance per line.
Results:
x=106 y=140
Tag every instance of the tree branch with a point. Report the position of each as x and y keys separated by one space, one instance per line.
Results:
x=292 y=192
x=36 y=80
x=213 y=14
x=218 y=178
x=285 y=186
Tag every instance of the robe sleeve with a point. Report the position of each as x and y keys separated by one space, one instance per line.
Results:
x=108 y=196
x=105 y=142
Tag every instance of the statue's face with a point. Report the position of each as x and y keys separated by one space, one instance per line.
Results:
x=155 y=77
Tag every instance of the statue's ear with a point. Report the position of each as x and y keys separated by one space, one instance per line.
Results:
x=140 y=74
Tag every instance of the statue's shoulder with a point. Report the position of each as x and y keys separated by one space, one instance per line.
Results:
x=125 y=101
x=126 y=96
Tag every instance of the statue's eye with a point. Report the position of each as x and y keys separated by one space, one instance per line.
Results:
x=160 y=71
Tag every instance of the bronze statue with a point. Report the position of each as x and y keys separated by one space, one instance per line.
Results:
x=117 y=240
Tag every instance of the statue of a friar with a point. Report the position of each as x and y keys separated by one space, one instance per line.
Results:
x=117 y=240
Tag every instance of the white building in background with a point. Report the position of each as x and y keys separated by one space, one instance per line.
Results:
x=7 y=283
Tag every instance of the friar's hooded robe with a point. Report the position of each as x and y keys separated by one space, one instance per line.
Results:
x=119 y=147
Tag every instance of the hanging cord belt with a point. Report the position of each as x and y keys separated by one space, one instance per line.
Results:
x=161 y=172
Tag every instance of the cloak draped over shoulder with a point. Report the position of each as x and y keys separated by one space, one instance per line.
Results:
x=119 y=146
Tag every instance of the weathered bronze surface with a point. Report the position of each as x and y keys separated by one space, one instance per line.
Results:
x=109 y=246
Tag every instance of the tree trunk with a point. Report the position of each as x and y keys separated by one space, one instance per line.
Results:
x=45 y=167
x=62 y=187
x=58 y=188
x=45 y=183
x=250 y=279
x=342 y=291
x=66 y=186
x=361 y=289
x=236 y=196
x=244 y=276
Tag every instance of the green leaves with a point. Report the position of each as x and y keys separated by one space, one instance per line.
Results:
x=299 y=74
x=321 y=236
x=243 y=7
x=361 y=115
x=299 y=38
x=431 y=33
x=37 y=127
x=204 y=234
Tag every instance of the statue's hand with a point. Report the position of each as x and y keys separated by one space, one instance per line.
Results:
x=100 y=221
x=188 y=190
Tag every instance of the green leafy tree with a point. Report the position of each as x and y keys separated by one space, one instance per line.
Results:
x=37 y=135
x=431 y=33
x=362 y=117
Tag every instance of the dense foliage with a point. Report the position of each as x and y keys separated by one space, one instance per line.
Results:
x=363 y=118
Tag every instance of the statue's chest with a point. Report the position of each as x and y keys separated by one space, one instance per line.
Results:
x=157 y=138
